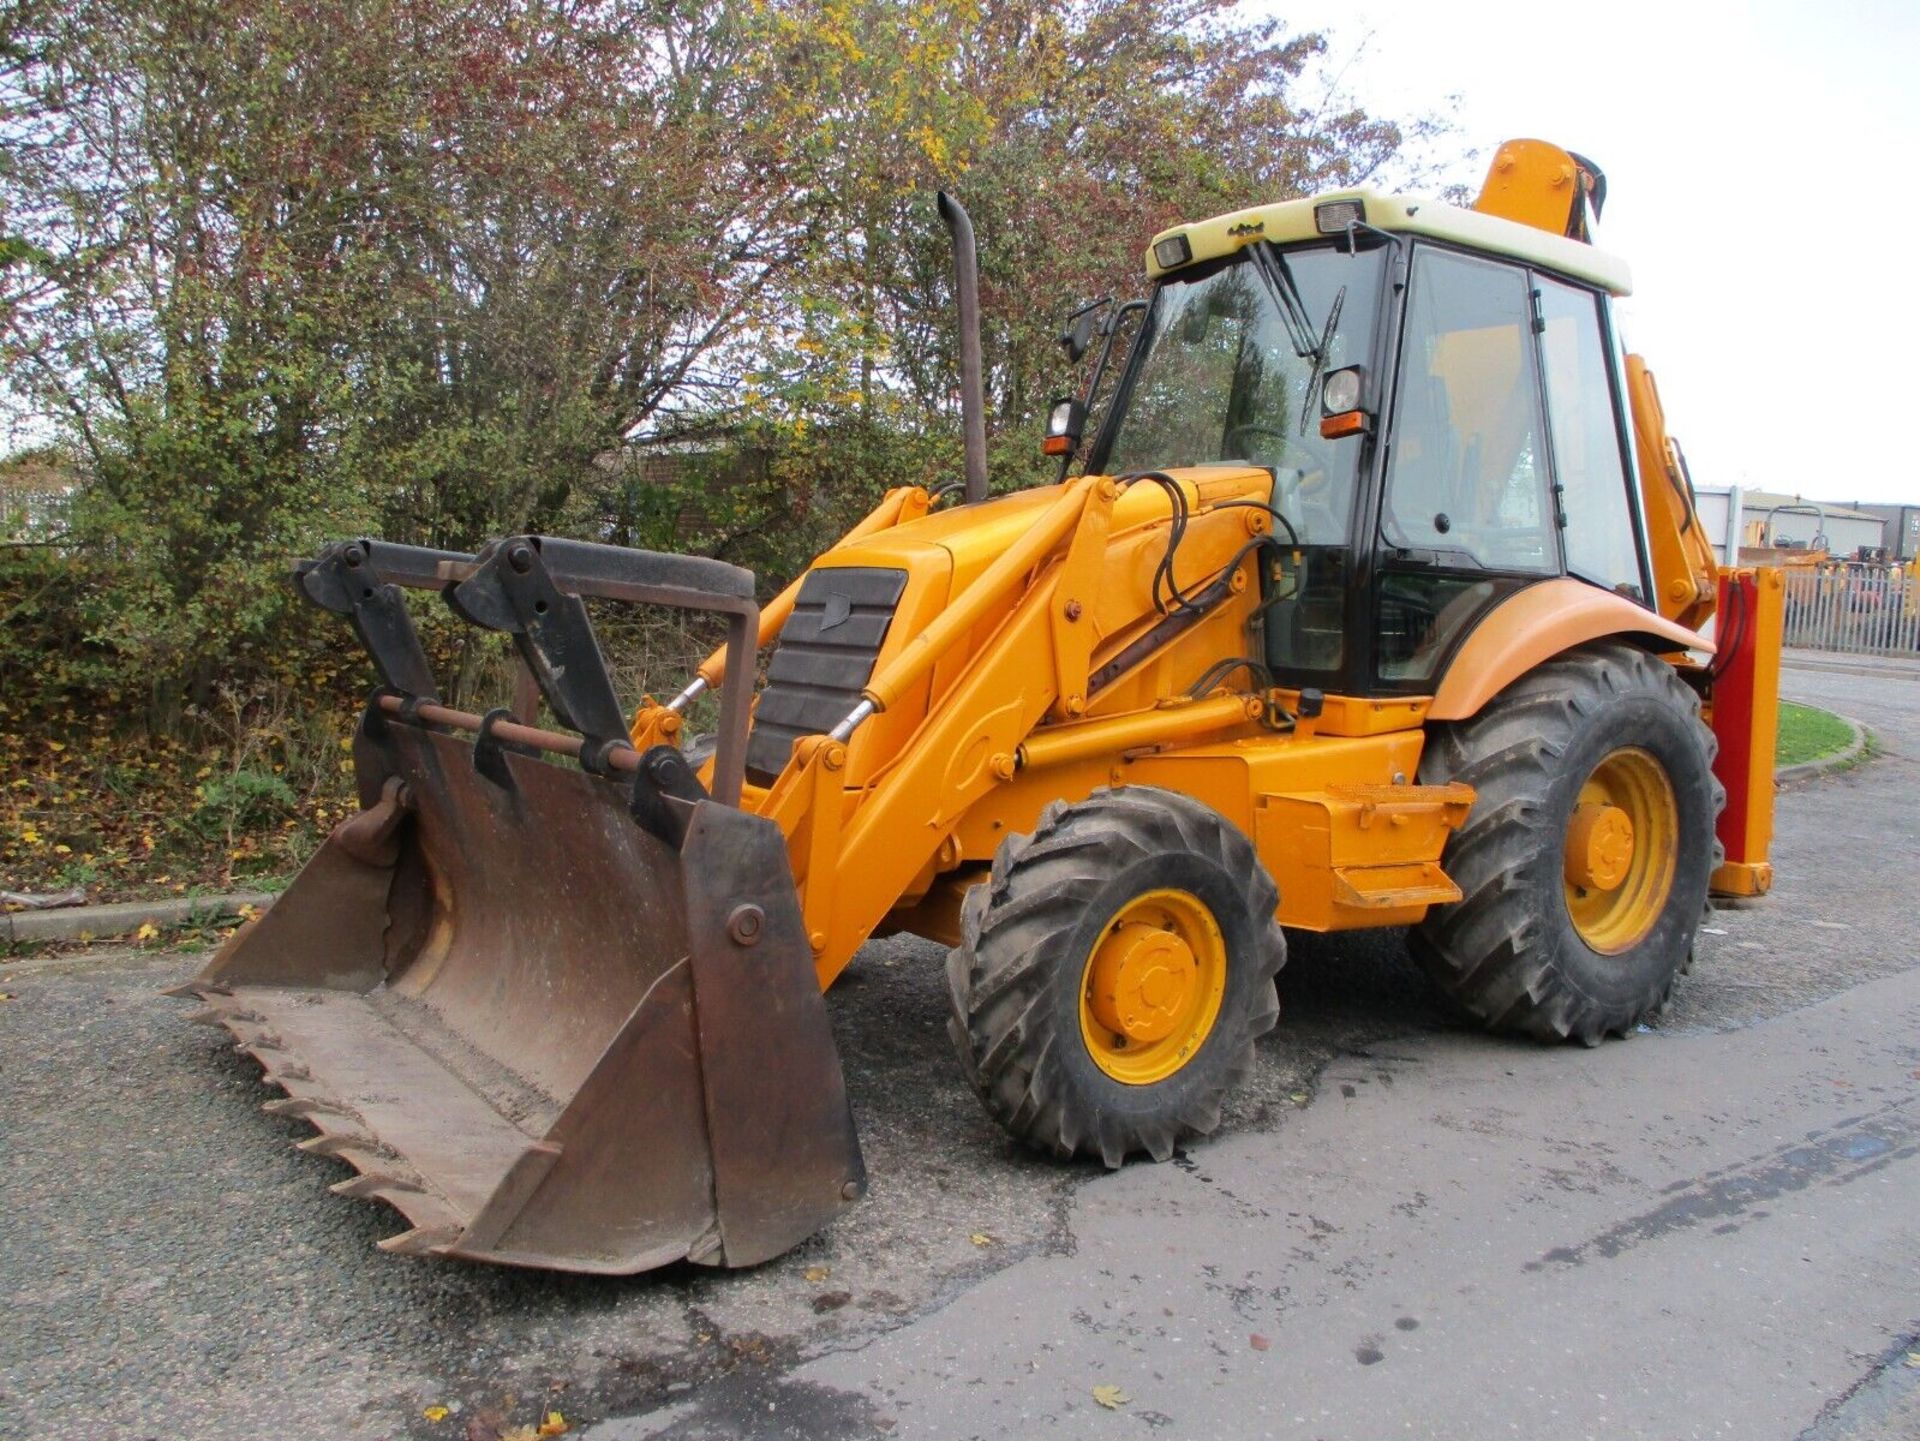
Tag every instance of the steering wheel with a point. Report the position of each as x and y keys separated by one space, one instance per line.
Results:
x=1300 y=490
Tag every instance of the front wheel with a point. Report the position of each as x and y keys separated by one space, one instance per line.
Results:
x=1113 y=974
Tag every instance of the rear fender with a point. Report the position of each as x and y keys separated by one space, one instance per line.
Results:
x=1534 y=625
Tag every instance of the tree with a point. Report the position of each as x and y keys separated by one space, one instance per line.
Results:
x=369 y=264
x=1073 y=131
x=280 y=270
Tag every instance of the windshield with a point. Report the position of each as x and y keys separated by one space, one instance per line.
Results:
x=1221 y=382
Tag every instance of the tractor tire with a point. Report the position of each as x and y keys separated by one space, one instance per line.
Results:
x=1114 y=973
x=1585 y=860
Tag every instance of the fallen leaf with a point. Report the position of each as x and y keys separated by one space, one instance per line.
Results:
x=148 y=930
x=554 y=1425
x=818 y=1273
x=981 y=1238
x=520 y=1433
x=1299 y=1098
x=1258 y=1342
x=436 y=1413
x=1111 y=1397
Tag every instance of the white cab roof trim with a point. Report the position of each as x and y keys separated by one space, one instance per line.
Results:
x=1292 y=221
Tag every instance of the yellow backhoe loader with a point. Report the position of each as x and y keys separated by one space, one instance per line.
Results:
x=1375 y=598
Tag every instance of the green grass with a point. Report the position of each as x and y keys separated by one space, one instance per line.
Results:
x=1808 y=733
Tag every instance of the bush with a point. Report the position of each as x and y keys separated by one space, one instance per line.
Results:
x=245 y=800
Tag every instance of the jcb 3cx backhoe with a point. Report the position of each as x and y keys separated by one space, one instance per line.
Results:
x=1378 y=603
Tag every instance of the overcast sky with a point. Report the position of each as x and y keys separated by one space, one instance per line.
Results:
x=1760 y=164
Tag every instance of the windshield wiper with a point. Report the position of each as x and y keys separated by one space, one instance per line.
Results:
x=1299 y=325
x=1320 y=353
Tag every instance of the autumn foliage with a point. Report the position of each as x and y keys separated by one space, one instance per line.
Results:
x=274 y=271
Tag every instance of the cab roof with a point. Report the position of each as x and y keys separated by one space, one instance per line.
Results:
x=1293 y=220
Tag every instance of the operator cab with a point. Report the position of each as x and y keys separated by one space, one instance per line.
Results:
x=1480 y=442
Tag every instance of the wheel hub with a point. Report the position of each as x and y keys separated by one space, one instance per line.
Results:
x=1152 y=986
x=1621 y=839
x=1599 y=847
x=1141 y=979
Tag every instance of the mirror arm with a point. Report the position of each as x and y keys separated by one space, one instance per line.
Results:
x=1108 y=329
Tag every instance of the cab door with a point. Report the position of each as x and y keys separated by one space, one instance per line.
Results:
x=1468 y=512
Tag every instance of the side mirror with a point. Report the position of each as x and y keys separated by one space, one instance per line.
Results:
x=1082 y=326
x=1078 y=335
x=1066 y=420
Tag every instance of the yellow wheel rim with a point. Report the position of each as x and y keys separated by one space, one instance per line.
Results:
x=1620 y=853
x=1150 y=992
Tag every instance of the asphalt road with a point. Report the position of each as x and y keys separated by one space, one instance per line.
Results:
x=1407 y=1227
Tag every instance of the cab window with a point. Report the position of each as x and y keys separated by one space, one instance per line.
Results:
x=1219 y=382
x=1588 y=461
x=1467 y=516
x=1467 y=473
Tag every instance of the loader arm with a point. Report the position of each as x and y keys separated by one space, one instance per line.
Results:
x=1023 y=643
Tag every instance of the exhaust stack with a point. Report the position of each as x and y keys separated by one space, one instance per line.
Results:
x=966 y=285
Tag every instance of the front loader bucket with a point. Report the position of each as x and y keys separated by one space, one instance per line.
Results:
x=544 y=1035
x=543 y=1032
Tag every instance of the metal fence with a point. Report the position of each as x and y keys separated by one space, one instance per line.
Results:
x=1868 y=610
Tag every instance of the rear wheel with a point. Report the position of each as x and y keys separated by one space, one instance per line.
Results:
x=1113 y=974
x=1585 y=862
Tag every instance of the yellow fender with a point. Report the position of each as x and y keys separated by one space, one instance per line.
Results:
x=1538 y=623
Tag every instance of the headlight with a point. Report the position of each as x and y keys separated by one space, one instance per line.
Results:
x=1171 y=253
x=1340 y=391
x=1335 y=216
x=1066 y=419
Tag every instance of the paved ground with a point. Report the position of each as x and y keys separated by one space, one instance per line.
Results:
x=1409 y=1228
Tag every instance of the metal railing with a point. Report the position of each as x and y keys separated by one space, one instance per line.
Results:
x=1865 y=610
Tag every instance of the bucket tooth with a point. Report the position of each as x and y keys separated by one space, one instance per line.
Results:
x=263 y=1041
x=375 y=1186
x=420 y=1240
x=706 y=1250
x=347 y=1146
x=292 y=1071
x=309 y=1106
x=215 y=1014
x=197 y=990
